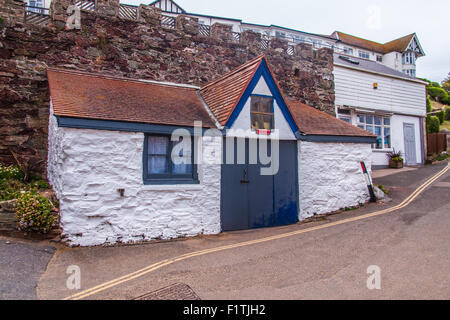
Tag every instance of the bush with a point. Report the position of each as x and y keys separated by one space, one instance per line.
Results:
x=34 y=213
x=434 y=84
x=433 y=124
x=447 y=113
x=441 y=116
x=438 y=93
x=11 y=172
x=428 y=105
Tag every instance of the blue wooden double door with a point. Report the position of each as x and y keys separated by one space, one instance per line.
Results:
x=252 y=200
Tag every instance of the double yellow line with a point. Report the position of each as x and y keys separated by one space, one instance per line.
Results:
x=166 y=262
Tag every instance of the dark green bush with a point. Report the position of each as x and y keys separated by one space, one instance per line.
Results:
x=441 y=116
x=434 y=84
x=447 y=113
x=438 y=94
x=34 y=213
x=433 y=124
x=428 y=105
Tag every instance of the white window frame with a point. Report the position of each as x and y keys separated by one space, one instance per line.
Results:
x=382 y=126
x=362 y=54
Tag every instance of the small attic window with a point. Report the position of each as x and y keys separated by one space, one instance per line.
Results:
x=261 y=112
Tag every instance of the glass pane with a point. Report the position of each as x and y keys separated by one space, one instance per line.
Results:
x=256 y=121
x=158 y=145
x=379 y=144
x=346 y=119
x=361 y=126
x=369 y=119
x=255 y=104
x=361 y=118
x=267 y=105
x=369 y=128
x=378 y=121
x=387 y=121
x=181 y=152
x=387 y=137
x=267 y=122
x=181 y=169
x=157 y=165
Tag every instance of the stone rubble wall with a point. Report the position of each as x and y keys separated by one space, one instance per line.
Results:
x=330 y=176
x=139 y=48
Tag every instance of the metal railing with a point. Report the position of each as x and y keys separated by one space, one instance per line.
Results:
x=85 y=5
x=127 y=11
x=40 y=16
x=204 y=30
x=168 y=22
x=36 y=15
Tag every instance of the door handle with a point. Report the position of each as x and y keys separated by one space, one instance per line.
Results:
x=245 y=179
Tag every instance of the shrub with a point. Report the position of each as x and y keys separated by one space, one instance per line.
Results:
x=34 y=213
x=438 y=93
x=11 y=172
x=42 y=185
x=428 y=105
x=447 y=113
x=441 y=116
x=434 y=84
x=395 y=155
x=433 y=124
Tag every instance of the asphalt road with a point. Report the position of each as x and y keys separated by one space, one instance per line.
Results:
x=21 y=265
x=410 y=246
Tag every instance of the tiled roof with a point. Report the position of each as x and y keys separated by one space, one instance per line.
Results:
x=369 y=65
x=92 y=96
x=223 y=95
x=314 y=122
x=398 y=45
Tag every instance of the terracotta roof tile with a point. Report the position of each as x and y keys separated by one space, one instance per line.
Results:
x=399 y=45
x=314 y=122
x=93 y=96
x=223 y=95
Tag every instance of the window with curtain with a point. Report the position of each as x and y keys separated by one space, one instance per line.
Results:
x=261 y=113
x=167 y=161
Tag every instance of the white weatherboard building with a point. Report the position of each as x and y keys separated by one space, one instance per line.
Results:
x=388 y=103
x=112 y=141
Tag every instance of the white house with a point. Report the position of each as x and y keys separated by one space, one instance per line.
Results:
x=386 y=102
x=250 y=158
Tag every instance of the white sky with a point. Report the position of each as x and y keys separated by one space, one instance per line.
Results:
x=377 y=20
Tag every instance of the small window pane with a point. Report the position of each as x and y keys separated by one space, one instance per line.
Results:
x=369 y=119
x=377 y=121
x=369 y=128
x=256 y=123
x=387 y=121
x=157 y=165
x=255 y=104
x=158 y=145
x=267 y=122
x=379 y=144
x=361 y=118
x=267 y=105
x=346 y=119
x=361 y=126
x=387 y=137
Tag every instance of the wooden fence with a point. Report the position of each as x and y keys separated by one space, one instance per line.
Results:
x=436 y=142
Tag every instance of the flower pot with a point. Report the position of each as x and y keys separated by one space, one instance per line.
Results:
x=396 y=164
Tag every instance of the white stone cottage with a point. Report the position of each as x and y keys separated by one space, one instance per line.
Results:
x=111 y=158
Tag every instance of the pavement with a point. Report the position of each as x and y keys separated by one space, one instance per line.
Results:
x=322 y=259
x=21 y=265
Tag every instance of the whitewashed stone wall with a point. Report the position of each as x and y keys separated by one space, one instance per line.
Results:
x=86 y=169
x=330 y=176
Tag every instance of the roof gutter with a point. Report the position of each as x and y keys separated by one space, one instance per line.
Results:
x=335 y=139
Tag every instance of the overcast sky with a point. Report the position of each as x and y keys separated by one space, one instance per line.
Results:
x=377 y=20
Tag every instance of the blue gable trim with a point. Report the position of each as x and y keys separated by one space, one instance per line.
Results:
x=263 y=71
x=78 y=123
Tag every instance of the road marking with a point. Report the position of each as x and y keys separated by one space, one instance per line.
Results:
x=166 y=262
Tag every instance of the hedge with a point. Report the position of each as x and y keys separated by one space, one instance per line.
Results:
x=433 y=125
x=441 y=116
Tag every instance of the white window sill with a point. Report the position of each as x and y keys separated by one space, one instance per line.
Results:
x=174 y=187
x=382 y=150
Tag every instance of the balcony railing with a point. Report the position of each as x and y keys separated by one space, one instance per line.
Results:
x=36 y=15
